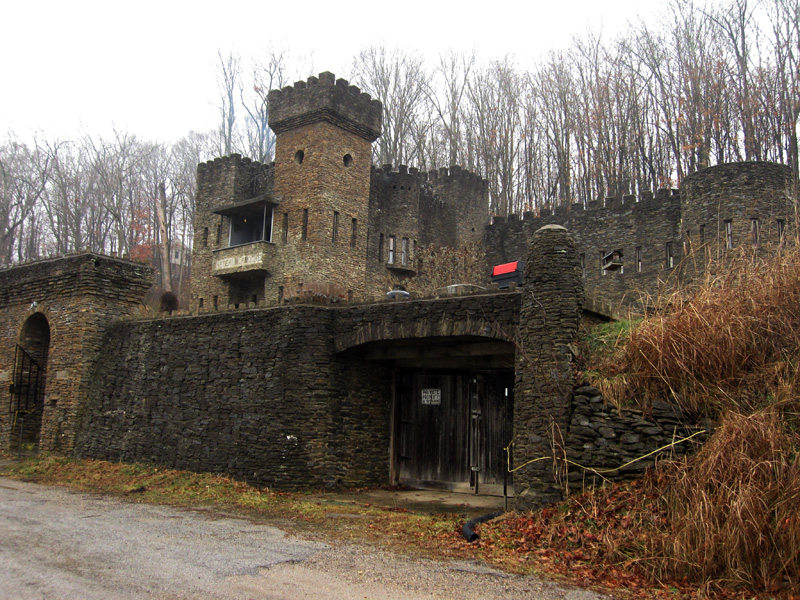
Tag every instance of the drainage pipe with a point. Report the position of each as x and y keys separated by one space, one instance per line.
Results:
x=468 y=531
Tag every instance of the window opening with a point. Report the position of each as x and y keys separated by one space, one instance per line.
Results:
x=299 y=156
x=404 y=252
x=335 y=234
x=670 y=256
x=638 y=259
x=354 y=233
x=392 y=248
x=285 y=235
x=612 y=261
x=729 y=234
x=781 y=231
x=254 y=226
x=304 y=232
x=755 y=232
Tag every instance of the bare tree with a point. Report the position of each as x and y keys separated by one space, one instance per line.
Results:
x=399 y=80
x=266 y=76
x=23 y=179
x=228 y=80
x=446 y=93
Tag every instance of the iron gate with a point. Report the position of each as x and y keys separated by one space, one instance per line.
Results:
x=25 y=393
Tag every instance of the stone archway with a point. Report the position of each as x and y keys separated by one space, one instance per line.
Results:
x=28 y=383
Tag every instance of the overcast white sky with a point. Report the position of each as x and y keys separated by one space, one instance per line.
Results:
x=149 y=67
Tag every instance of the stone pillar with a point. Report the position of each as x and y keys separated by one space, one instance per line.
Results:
x=552 y=300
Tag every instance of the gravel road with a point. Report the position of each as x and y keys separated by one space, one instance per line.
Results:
x=55 y=543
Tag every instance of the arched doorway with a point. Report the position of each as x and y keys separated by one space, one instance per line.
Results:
x=27 y=386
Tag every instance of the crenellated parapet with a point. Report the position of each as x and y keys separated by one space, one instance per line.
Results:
x=325 y=98
x=234 y=178
x=594 y=212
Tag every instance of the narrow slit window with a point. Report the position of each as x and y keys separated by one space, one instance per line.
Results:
x=755 y=232
x=404 y=252
x=391 y=250
x=638 y=259
x=353 y=233
x=285 y=236
x=670 y=258
x=335 y=233
x=729 y=234
x=304 y=230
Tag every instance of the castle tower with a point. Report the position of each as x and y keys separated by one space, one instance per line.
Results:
x=737 y=204
x=323 y=154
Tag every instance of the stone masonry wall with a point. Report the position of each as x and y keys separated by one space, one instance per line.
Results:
x=645 y=229
x=601 y=438
x=755 y=199
x=79 y=295
x=256 y=394
x=551 y=308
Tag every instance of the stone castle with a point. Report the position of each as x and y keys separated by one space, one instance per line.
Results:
x=260 y=381
x=322 y=218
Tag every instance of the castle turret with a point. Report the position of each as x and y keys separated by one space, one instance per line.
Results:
x=323 y=152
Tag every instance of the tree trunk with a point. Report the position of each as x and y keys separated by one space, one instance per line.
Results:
x=161 y=211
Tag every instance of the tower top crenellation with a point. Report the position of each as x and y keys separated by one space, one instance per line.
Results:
x=325 y=98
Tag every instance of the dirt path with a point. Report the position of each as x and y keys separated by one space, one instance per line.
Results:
x=62 y=544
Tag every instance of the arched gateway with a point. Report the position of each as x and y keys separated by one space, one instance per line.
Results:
x=29 y=374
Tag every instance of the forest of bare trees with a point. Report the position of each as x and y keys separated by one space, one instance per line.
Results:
x=601 y=117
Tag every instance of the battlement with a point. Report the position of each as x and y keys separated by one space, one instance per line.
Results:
x=595 y=209
x=326 y=99
x=213 y=170
x=444 y=175
x=115 y=256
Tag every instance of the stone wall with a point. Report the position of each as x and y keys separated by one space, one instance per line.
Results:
x=745 y=204
x=567 y=437
x=257 y=394
x=645 y=230
x=601 y=438
x=549 y=317
x=78 y=296
x=268 y=395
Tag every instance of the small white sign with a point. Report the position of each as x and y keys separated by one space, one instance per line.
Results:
x=431 y=396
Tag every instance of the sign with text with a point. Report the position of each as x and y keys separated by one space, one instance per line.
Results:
x=232 y=262
x=432 y=396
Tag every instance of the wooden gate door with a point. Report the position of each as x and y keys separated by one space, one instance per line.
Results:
x=452 y=429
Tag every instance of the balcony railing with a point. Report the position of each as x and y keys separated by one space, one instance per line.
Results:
x=245 y=260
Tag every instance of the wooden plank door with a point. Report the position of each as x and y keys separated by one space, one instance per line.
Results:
x=452 y=428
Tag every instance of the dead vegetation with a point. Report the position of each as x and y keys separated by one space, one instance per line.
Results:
x=727 y=518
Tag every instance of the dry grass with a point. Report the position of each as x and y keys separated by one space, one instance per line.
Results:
x=727 y=518
x=732 y=509
x=733 y=343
